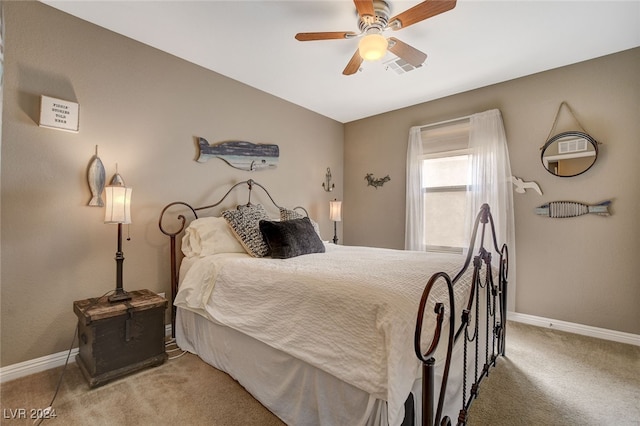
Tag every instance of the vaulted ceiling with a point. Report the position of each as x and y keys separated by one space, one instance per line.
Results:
x=476 y=44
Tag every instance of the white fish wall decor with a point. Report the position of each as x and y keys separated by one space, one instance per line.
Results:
x=96 y=176
x=572 y=209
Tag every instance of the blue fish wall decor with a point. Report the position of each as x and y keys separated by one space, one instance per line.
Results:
x=95 y=177
x=572 y=209
x=241 y=155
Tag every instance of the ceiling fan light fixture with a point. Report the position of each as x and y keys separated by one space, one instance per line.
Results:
x=373 y=47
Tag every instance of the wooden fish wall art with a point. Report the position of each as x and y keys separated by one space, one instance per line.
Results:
x=371 y=181
x=573 y=209
x=241 y=155
x=96 y=176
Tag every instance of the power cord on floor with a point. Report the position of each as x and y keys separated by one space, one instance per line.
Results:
x=171 y=346
x=48 y=413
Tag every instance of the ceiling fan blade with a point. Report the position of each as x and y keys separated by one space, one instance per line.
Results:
x=406 y=52
x=420 y=12
x=364 y=7
x=325 y=35
x=354 y=64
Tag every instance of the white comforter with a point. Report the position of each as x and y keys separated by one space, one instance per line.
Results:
x=350 y=311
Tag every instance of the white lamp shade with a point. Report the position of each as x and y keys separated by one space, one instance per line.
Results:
x=118 y=205
x=335 y=210
x=373 y=47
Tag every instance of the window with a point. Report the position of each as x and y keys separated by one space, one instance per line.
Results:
x=437 y=184
x=445 y=180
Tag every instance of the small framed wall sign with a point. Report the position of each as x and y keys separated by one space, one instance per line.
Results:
x=59 y=114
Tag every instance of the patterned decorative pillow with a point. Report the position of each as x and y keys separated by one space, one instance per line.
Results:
x=244 y=222
x=286 y=214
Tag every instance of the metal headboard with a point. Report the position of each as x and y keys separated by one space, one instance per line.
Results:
x=183 y=222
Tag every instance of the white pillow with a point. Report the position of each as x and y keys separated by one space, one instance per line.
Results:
x=209 y=235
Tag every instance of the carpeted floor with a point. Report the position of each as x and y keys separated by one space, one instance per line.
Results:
x=551 y=377
x=548 y=378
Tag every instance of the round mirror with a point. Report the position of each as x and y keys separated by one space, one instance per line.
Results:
x=569 y=154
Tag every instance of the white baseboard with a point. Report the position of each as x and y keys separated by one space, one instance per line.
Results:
x=585 y=330
x=37 y=365
x=22 y=369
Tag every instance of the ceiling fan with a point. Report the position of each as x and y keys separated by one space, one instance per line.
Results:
x=373 y=20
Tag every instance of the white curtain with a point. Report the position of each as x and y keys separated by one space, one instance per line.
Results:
x=490 y=178
x=490 y=182
x=414 y=216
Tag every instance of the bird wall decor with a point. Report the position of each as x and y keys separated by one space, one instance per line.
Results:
x=522 y=186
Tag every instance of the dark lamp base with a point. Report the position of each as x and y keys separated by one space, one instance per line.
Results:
x=119 y=297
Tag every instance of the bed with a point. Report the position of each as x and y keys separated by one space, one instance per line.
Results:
x=324 y=334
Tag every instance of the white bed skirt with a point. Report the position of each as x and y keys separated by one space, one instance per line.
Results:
x=298 y=393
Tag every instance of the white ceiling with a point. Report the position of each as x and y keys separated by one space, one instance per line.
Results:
x=478 y=43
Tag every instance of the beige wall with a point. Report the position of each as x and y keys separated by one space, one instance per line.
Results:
x=582 y=270
x=143 y=109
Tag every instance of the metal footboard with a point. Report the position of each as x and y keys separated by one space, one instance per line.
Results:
x=474 y=319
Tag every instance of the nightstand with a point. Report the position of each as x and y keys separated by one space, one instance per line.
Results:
x=119 y=338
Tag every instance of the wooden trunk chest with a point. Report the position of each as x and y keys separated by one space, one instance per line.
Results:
x=118 y=338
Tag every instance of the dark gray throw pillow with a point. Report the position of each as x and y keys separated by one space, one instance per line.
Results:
x=291 y=238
